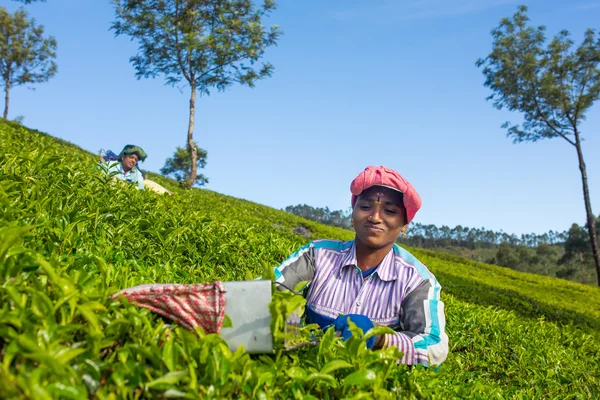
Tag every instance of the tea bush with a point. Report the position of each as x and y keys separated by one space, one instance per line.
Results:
x=70 y=238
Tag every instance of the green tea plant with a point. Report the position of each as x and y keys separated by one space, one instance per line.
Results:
x=527 y=294
x=69 y=239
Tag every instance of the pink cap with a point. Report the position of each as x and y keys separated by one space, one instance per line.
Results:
x=382 y=176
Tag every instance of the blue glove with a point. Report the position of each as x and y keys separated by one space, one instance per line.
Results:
x=313 y=317
x=361 y=321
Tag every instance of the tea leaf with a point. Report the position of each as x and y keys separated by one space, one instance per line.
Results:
x=358 y=378
x=334 y=365
x=166 y=380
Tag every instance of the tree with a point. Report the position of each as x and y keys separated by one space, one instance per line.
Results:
x=576 y=244
x=180 y=167
x=339 y=218
x=553 y=87
x=207 y=43
x=26 y=56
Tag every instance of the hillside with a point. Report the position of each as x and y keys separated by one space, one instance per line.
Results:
x=69 y=239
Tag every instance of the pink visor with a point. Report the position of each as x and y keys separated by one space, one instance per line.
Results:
x=382 y=176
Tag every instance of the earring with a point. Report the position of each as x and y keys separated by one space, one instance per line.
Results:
x=403 y=234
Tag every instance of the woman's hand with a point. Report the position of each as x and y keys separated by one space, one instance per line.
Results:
x=361 y=321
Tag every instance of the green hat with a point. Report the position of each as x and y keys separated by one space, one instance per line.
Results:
x=133 y=149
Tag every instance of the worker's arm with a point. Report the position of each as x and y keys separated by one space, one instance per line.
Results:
x=298 y=267
x=421 y=332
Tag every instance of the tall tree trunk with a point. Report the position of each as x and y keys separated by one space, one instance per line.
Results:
x=190 y=138
x=6 y=92
x=591 y=221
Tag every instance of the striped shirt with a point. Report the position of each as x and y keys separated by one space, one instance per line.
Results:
x=401 y=294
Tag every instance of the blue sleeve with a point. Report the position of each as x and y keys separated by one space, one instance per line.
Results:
x=140 y=180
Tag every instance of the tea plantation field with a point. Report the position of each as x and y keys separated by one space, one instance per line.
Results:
x=69 y=239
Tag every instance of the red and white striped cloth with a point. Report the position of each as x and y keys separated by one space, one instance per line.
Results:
x=199 y=305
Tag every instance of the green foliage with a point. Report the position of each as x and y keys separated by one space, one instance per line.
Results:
x=69 y=240
x=179 y=166
x=530 y=295
x=577 y=247
x=207 y=43
x=552 y=86
x=26 y=56
x=338 y=218
x=432 y=236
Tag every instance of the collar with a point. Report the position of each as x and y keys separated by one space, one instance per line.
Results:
x=350 y=256
x=386 y=271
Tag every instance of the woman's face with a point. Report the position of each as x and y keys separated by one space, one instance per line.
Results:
x=129 y=161
x=378 y=217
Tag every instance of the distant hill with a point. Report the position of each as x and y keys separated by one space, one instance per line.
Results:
x=70 y=238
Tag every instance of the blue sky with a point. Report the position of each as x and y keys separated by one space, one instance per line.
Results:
x=356 y=83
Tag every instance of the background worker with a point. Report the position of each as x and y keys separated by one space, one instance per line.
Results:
x=126 y=169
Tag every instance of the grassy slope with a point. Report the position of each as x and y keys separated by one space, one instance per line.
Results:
x=512 y=334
